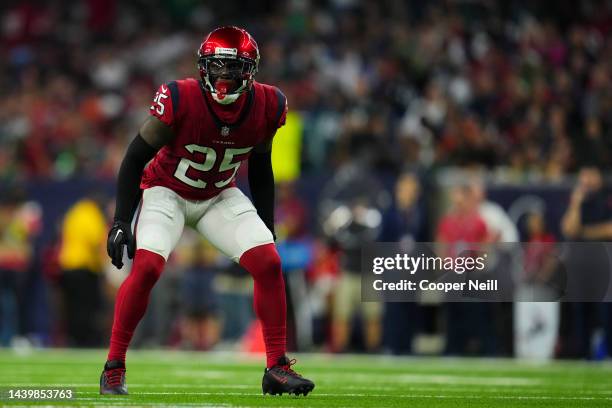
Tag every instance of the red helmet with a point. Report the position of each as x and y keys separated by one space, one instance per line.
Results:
x=228 y=60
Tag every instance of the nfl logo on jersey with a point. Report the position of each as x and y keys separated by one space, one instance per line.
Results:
x=225 y=130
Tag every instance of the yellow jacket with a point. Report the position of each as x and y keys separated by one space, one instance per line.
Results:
x=287 y=149
x=83 y=237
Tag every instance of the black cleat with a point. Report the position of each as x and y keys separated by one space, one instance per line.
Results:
x=282 y=379
x=112 y=380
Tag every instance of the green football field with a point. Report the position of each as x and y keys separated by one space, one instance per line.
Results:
x=170 y=378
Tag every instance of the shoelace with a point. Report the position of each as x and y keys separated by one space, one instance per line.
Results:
x=113 y=376
x=287 y=368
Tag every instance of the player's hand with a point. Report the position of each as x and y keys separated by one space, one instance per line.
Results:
x=119 y=235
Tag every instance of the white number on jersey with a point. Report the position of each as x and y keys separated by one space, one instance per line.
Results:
x=158 y=101
x=210 y=157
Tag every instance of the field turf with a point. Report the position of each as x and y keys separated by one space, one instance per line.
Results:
x=170 y=378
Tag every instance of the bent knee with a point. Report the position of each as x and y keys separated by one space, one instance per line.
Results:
x=262 y=261
x=147 y=267
x=271 y=261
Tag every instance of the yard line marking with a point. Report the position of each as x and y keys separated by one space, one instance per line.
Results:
x=148 y=385
x=348 y=388
x=411 y=396
x=388 y=377
x=62 y=356
x=440 y=379
x=102 y=402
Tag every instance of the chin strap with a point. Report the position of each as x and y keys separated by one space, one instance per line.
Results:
x=225 y=99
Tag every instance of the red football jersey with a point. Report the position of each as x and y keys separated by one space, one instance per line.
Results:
x=455 y=228
x=205 y=153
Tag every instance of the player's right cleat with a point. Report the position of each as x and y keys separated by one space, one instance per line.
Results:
x=282 y=379
x=112 y=380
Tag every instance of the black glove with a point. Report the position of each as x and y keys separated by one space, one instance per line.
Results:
x=119 y=235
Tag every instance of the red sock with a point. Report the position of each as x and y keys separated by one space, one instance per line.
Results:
x=264 y=264
x=132 y=300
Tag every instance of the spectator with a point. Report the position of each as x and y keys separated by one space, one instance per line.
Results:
x=351 y=219
x=82 y=258
x=536 y=324
x=469 y=326
x=15 y=258
x=463 y=222
x=503 y=233
x=589 y=214
x=403 y=222
x=588 y=218
x=405 y=219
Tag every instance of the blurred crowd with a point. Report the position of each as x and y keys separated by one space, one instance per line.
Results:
x=382 y=95
x=511 y=85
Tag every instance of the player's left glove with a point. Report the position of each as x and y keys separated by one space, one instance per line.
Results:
x=119 y=235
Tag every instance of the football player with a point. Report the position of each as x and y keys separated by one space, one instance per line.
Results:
x=198 y=134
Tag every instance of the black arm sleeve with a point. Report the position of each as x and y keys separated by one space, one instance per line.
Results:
x=137 y=156
x=261 y=183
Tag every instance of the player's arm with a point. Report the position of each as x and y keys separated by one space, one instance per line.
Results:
x=571 y=223
x=261 y=177
x=153 y=135
x=261 y=183
x=601 y=231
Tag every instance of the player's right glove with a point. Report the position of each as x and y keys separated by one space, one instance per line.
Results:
x=119 y=235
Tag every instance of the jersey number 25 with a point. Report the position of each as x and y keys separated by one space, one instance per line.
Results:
x=210 y=157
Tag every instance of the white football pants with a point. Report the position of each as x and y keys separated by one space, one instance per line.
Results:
x=228 y=221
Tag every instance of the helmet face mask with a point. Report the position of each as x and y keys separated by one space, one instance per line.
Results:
x=228 y=61
x=236 y=76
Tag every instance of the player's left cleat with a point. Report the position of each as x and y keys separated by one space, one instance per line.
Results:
x=112 y=380
x=282 y=379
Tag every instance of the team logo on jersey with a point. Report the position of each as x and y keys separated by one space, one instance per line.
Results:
x=225 y=52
